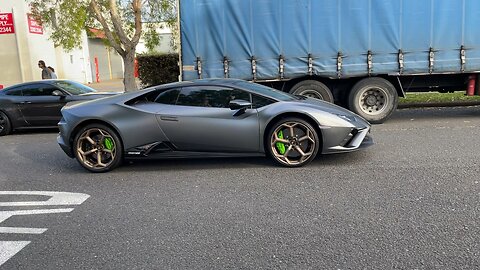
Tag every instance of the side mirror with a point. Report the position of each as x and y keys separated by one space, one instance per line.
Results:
x=239 y=104
x=58 y=93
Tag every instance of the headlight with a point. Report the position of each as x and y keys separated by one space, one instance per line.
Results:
x=349 y=118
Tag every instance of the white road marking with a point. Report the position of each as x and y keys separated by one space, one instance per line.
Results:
x=6 y=214
x=22 y=230
x=10 y=248
x=57 y=198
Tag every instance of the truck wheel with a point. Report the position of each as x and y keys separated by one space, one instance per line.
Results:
x=313 y=89
x=375 y=99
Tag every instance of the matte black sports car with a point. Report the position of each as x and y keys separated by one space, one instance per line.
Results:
x=207 y=118
x=37 y=104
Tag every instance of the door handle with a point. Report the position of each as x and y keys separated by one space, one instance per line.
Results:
x=168 y=118
x=26 y=102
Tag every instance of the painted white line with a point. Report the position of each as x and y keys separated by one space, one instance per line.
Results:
x=57 y=198
x=22 y=230
x=6 y=214
x=10 y=248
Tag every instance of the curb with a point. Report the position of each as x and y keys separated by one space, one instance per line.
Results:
x=439 y=104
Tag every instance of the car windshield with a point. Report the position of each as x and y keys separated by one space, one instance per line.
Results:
x=266 y=91
x=74 y=88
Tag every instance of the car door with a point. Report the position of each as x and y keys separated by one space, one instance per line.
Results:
x=39 y=106
x=202 y=121
x=10 y=104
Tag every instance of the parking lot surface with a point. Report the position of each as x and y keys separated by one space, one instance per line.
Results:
x=410 y=201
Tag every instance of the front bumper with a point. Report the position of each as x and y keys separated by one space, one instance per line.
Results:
x=65 y=146
x=349 y=140
x=62 y=138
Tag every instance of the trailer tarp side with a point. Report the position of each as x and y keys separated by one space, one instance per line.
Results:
x=430 y=35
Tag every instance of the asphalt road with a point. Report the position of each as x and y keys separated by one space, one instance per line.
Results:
x=411 y=201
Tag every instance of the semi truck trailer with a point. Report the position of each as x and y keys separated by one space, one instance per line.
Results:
x=360 y=54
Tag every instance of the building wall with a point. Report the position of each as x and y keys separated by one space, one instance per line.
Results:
x=110 y=63
x=75 y=65
x=165 y=35
x=23 y=49
x=16 y=48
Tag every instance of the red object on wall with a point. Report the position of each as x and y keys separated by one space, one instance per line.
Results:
x=471 y=85
x=6 y=23
x=34 y=26
x=97 y=75
x=135 y=71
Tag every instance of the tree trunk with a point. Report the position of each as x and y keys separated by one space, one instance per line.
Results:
x=128 y=75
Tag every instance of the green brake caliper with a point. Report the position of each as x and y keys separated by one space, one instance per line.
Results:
x=280 y=146
x=108 y=142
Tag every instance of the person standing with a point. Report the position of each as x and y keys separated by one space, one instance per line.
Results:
x=52 y=72
x=46 y=74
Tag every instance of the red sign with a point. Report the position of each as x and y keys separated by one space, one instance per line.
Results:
x=6 y=23
x=33 y=26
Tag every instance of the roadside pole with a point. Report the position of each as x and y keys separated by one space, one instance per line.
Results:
x=20 y=62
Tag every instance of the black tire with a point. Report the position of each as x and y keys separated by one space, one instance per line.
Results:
x=314 y=89
x=375 y=99
x=105 y=140
x=5 y=124
x=291 y=157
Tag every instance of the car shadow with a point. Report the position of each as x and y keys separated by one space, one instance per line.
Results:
x=345 y=159
x=34 y=131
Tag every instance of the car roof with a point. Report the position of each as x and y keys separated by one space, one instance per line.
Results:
x=212 y=82
x=35 y=82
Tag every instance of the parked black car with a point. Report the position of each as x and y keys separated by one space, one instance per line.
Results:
x=37 y=104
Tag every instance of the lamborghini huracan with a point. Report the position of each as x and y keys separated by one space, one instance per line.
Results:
x=207 y=118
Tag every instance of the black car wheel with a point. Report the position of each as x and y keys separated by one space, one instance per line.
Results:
x=293 y=142
x=5 y=125
x=98 y=148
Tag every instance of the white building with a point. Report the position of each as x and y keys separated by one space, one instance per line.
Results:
x=24 y=42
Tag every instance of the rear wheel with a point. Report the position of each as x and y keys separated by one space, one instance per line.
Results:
x=5 y=124
x=313 y=89
x=292 y=142
x=375 y=99
x=98 y=148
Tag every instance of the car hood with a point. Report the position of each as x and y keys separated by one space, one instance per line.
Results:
x=330 y=108
x=326 y=106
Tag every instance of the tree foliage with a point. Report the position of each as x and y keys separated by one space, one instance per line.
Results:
x=122 y=22
x=158 y=69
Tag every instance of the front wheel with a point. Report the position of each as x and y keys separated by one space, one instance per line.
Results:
x=98 y=148
x=292 y=142
x=375 y=99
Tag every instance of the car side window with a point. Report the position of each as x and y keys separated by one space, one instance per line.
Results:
x=39 y=90
x=168 y=97
x=259 y=101
x=209 y=96
x=239 y=94
x=17 y=91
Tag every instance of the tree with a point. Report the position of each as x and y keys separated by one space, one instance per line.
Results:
x=122 y=21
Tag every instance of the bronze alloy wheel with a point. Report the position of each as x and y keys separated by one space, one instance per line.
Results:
x=293 y=142
x=97 y=148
